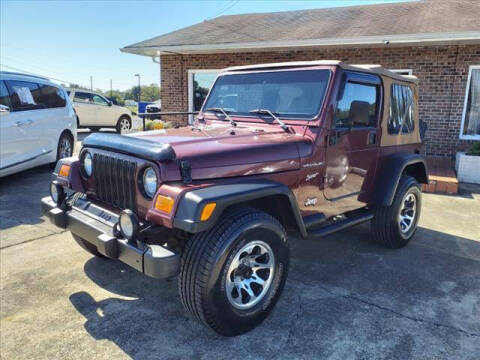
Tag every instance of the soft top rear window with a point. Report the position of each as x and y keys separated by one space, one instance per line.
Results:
x=288 y=94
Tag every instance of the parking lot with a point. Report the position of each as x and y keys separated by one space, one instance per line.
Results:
x=345 y=296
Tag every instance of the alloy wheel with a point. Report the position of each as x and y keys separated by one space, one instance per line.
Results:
x=250 y=275
x=124 y=124
x=65 y=148
x=408 y=212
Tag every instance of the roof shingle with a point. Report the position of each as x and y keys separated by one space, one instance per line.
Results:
x=418 y=17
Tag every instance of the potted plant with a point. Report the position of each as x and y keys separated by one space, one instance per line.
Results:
x=467 y=165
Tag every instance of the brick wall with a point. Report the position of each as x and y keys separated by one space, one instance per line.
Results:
x=442 y=71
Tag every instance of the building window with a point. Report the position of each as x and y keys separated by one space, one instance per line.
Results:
x=471 y=110
x=401 y=110
x=402 y=71
x=199 y=84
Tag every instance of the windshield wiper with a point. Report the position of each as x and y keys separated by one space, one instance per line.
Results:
x=268 y=112
x=222 y=110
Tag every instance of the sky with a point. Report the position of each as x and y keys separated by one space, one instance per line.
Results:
x=71 y=41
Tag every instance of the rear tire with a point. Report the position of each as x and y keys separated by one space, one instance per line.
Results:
x=248 y=251
x=85 y=245
x=393 y=226
x=124 y=124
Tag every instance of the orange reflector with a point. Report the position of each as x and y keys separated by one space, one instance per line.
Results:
x=64 y=171
x=207 y=211
x=164 y=203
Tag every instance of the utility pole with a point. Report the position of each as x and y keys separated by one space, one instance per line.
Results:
x=139 y=88
x=139 y=97
x=111 y=88
x=91 y=83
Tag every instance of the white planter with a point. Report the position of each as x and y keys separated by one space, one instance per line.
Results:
x=468 y=168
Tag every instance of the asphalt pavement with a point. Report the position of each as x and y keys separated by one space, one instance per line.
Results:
x=345 y=298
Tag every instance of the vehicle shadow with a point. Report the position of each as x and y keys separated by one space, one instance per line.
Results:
x=341 y=289
x=20 y=194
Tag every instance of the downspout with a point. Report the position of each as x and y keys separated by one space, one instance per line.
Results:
x=154 y=59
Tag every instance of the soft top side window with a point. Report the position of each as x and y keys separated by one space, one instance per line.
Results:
x=402 y=108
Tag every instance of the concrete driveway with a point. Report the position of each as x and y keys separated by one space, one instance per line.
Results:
x=345 y=297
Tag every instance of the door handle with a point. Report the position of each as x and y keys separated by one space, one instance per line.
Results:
x=372 y=137
x=28 y=122
x=19 y=123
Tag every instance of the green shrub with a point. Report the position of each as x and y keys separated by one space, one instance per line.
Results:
x=475 y=149
x=157 y=125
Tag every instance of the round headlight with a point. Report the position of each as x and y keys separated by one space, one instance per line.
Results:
x=150 y=182
x=57 y=193
x=128 y=224
x=87 y=164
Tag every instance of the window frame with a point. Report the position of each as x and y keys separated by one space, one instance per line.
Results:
x=8 y=84
x=41 y=85
x=82 y=101
x=400 y=131
x=365 y=79
x=192 y=72
x=10 y=107
x=101 y=97
x=465 y=102
x=400 y=71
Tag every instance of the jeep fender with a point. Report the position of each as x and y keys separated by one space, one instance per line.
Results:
x=388 y=174
x=187 y=216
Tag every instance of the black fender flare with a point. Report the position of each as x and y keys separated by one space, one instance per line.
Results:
x=388 y=174
x=190 y=206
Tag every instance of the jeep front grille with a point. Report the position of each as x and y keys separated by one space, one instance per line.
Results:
x=115 y=181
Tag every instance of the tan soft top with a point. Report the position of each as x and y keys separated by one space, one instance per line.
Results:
x=371 y=68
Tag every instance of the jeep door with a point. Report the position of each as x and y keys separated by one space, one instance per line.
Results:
x=352 y=145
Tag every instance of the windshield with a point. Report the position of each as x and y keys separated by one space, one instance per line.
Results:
x=288 y=94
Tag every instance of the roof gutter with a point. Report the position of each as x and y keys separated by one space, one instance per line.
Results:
x=420 y=39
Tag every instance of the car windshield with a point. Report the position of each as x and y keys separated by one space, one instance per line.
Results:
x=288 y=94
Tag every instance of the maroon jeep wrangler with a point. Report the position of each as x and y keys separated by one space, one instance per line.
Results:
x=314 y=147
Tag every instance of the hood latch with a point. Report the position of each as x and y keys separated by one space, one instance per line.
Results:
x=186 y=171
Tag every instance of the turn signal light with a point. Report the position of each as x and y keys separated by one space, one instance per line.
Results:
x=207 y=211
x=164 y=203
x=64 y=171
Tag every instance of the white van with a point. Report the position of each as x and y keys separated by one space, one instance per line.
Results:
x=37 y=122
x=95 y=111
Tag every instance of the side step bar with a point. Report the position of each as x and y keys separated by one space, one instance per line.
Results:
x=313 y=220
x=341 y=224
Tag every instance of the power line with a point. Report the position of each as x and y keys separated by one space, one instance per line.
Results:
x=224 y=9
x=49 y=77
x=31 y=73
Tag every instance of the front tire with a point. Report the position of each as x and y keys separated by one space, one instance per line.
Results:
x=233 y=274
x=65 y=146
x=393 y=226
x=124 y=124
x=85 y=245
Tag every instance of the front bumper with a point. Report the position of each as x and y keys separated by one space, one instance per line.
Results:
x=95 y=225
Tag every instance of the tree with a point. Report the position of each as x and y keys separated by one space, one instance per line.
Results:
x=149 y=93
x=118 y=95
x=77 y=86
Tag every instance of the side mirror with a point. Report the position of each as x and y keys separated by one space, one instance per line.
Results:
x=4 y=110
x=110 y=103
